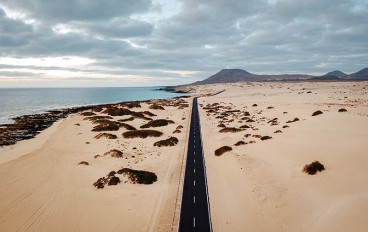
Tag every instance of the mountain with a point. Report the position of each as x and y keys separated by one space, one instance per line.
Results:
x=360 y=75
x=326 y=78
x=239 y=75
x=336 y=73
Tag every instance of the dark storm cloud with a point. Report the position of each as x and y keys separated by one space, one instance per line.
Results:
x=284 y=36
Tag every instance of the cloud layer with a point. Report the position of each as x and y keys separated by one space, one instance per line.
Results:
x=164 y=42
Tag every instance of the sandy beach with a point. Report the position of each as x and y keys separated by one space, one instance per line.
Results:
x=259 y=185
x=45 y=189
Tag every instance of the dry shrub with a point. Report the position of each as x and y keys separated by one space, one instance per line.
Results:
x=247 y=135
x=278 y=131
x=176 y=131
x=266 y=137
x=96 y=118
x=318 y=112
x=142 y=134
x=156 y=107
x=172 y=141
x=230 y=129
x=294 y=120
x=222 y=150
x=138 y=176
x=106 y=135
x=313 y=168
x=106 y=126
x=342 y=110
x=157 y=123
x=77 y=124
x=270 y=107
x=250 y=120
x=97 y=109
x=114 y=111
x=221 y=125
x=114 y=153
x=126 y=126
x=246 y=113
x=110 y=179
x=149 y=113
x=239 y=143
x=254 y=105
x=131 y=105
x=183 y=106
x=179 y=127
x=126 y=119
x=83 y=163
x=87 y=114
x=244 y=127
x=114 y=181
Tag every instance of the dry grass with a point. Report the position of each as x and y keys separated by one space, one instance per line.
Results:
x=138 y=176
x=222 y=150
x=142 y=134
x=157 y=123
x=313 y=168
x=106 y=135
x=172 y=141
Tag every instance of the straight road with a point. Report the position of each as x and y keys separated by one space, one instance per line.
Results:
x=195 y=210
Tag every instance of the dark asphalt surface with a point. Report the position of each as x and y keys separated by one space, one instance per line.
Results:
x=195 y=210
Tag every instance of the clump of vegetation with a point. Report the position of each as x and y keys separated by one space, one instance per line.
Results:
x=96 y=118
x=221 y=125
x=83 y=163
x=318 y=112
x=222 y=150
x=342 y=110
x=142 y=134
x=110 y=179
x=278 y=131
x=106 y=126
x=131 y=105
x=87 y=113
x=113 y=181
x=179 y=127
x=126 y=119
x=313 y=168
x=115 y=111
x=250 y=120
x=294 y=120
x=156 y=107
x=149 y=113
x=172 y=141
x=138 y=176
x=270 y=107
x=230 y=129
x=114 y=153
x=157 y=123
x=266 y=137
x=106 y=135
x=239 y=143
x=182 y=106
x=254 y=105
x=97 y=109
x=176 y=131
x=244 y=127
x=127 y=126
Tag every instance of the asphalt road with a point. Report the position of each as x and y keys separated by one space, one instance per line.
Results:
x=195 y=210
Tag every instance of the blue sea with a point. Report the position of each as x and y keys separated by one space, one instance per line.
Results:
x=23 y=101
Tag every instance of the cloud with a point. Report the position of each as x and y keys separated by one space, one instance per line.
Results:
x=151 y=38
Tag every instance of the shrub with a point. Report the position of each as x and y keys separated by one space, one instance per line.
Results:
x=244 y=127
x=318 y=112
x=313 y=168
x=254 y=105
x=106 y=135
x=229 y=129
x=342 y=110
x=138 y=176
x=114 y=111
x=266 y=137
x=83 y=163
x=106 y=126
x=88 y=113
x=222 y=150
x=157 y=123
x=114 y=181
x=250 y=120
x=176 y=131
x=95 y=118
x=294 y=120
x=172 y=141
x=179 y=127
x=126 y=120
x=114 y=153
x=239 y=143
x=100 y=183
x=149 y=113
x=126 y=126
x=278 y=131
x=131 y=105
x=142 y=134
x=156 y=107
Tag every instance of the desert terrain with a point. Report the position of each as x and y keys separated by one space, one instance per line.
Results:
x=97 y=171
x=267 y=134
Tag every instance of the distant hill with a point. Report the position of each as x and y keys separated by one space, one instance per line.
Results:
x=239 y=75
x=336 y=73
x=326 y=78
x=360 y=75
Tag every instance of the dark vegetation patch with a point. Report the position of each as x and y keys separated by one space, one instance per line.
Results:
x=131 y=105
x=126 y=126
x=149 y=113
x=230 y=129
x=183 y=106
x=156 y=107
x=222 y=150
x=157 y=123
x=318 y=112
x=286 y=126
x=239 y=143
x=77 y=124
x=250 y=120
x=254 y=105
x=114 y=153
x=142 y=134
x=107 y=126
x=294 y=120
x=266 y=137
x=246 y=113
x=313 y=168
x=95 y=118
x=342 y=110
x=138 y=176
x=179 y=127
x=106 y=135
x=270 y=107
x=110 y=179
x=176 y=131
x=87 y=113
x=83 y=163
x=221 y=125
x=97 y=109
x=244 y=127
x=172 y=141
x=126 y=119
x=278 y=131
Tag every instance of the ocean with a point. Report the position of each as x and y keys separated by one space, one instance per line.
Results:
x=23 y=101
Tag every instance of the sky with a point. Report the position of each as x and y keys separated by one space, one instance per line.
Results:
x=91 y=43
